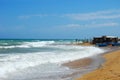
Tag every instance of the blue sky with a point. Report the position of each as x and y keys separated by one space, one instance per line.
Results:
x=59 y=19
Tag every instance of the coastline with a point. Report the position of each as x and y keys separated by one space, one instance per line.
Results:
x=84 y=65
x=110 y=70
x=78 y=63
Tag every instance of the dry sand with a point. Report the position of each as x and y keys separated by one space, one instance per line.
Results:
x=110 y=70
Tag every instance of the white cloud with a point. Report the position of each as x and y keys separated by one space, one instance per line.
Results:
x=23 y=17
x=90 y=25
x=72 y=25
x=110 y=14
x=107 y=14
x=102 y=24
x=29 y=16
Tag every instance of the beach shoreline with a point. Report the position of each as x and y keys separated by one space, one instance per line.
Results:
x=89 y=63
x=109 y=70
x=78 y=63
x=84 y=65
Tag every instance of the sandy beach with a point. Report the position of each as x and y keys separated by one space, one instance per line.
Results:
x=83 y=66
x=110 y=70
x=78 y=63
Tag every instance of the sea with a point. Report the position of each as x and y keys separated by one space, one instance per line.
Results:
x=42 y=59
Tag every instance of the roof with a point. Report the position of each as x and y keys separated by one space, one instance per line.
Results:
x=107 y=36
x=112 y=36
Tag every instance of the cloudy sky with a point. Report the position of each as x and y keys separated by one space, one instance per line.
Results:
x=59 y=19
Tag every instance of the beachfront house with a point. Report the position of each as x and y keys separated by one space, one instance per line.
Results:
x=105 y=41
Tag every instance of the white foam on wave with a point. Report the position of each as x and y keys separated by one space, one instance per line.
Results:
x=13 y=62
x=30 y=44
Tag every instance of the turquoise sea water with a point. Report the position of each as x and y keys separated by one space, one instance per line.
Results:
x=40 y=59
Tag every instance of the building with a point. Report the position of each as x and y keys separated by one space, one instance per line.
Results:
x=105 y=40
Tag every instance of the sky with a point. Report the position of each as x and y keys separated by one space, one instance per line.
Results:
x=59 y=19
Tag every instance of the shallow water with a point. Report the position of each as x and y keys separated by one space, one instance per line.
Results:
x=42 y=59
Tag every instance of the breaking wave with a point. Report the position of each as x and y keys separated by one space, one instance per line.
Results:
x=10 y=63
x=28 y=44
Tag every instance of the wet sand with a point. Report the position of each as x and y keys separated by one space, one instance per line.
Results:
x=83 y=66
x=110 y=70
x=78 y=63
